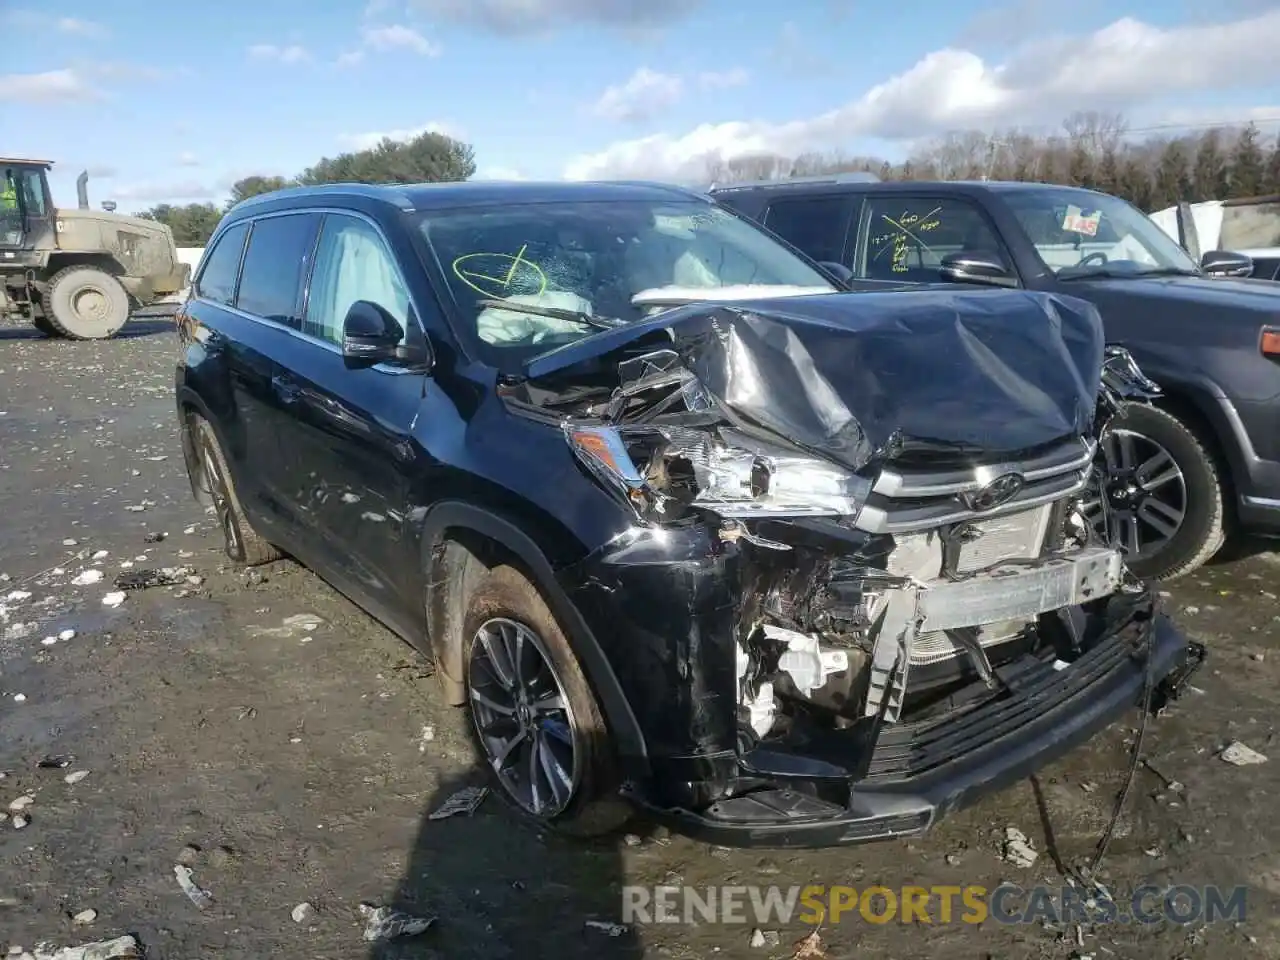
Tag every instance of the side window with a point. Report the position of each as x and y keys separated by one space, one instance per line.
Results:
x=907 y=237
x=217 y=280
x=32 y=186
x=279 y=251
x=352 y=263
x=815 y=226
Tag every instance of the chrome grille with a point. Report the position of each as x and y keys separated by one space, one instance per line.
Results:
x=908 y=501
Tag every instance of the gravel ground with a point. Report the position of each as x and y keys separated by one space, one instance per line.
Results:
x=295 y=761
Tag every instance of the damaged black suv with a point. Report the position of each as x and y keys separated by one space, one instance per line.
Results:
x=680 y=522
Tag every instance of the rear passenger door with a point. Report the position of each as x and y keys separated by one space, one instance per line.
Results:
x=903 y=237
x=816 y=226
x=351 y=427
x=268 y=308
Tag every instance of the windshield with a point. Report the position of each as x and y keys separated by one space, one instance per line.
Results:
x=1081 y=234
x=595 y=258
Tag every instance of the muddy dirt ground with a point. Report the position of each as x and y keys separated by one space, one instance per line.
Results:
x=287 y=761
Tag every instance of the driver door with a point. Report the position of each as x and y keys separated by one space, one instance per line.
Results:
x=29 y=225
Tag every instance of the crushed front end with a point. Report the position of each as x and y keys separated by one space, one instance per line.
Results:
x=858 y=590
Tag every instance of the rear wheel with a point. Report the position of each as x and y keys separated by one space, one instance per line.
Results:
x=86 y=303
x=534 y=716
x=1162 y=493
x=241 y=542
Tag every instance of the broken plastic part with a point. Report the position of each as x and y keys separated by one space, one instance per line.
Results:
x=803 y=660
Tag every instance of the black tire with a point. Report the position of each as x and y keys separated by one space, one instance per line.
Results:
x=42 y=324
x=1202 y=531
x=85 y=303
x=594 y=808
x=242 y=543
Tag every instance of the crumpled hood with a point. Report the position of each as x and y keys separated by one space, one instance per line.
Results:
x=861 y=376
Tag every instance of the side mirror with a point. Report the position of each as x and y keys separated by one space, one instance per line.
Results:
x=370 y=334
x=1224 y=263
x=976 y=267
x=838 y=270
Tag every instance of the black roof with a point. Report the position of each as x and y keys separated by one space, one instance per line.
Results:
x=435 y=196
x=894 y=186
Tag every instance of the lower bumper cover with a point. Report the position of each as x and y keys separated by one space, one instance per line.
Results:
x=922 y=772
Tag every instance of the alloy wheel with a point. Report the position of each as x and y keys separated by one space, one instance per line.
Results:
x=1138 y=497
x=525 y=725
x=217 y=489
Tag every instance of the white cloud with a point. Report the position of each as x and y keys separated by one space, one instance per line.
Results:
x=540 y=16
x=365 y=141
x=188 y=159
x=52 y=86
x=499 y=173
x=646 y=92
x=84 y=28
x=721 y=80
x=179 y=191
x=399 y=37
x=1124 y=66
x=292 y=53
x=350 y=59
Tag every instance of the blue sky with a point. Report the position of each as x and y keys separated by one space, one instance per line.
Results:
x=174 y=102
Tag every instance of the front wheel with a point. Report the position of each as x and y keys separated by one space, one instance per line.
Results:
x=86 y=303
x=1160 y=498
x=533 y=713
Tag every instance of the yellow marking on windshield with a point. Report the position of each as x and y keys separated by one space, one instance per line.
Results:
x=494 y=275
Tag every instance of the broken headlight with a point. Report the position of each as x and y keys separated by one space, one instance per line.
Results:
x=659 y=471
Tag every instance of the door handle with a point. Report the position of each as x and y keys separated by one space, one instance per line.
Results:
x=286 y=389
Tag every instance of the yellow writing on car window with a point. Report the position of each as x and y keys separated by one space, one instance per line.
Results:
x=498 y=275
x=907 y=227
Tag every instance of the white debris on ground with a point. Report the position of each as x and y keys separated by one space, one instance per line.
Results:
x=76 y=777
x=303 y=912
x=810 y=948
x=200 y=897
x=1017 y=848
x=383 y=923
x=467 y=800
x=428 y=735
x=297 y=625
x=1238 y=755
x=121 y=948
x=85 y=916
x=114 y=598
x=87 y=577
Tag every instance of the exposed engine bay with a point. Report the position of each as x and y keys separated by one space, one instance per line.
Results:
x=906 y=474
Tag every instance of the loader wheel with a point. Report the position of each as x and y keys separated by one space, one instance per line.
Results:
x=86 y=303
x=44 y=326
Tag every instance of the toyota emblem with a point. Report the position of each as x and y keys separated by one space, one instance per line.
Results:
x=999 y=491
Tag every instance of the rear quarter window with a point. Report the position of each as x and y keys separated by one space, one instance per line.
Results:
x=816 y=226
x=217 y=280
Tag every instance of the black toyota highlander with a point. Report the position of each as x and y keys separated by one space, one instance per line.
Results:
x=683 y=525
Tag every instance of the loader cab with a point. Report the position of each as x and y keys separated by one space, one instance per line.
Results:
x=26 y=205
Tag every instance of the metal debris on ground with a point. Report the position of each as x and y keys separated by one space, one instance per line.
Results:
x=60 y=762
x=200 y=897
x=607 y=928
x=383 y=923
x=467 y=800
x=1017 y=848
x=159 y=577
x=121 y=948
x=810 y=948
x=1238 y=755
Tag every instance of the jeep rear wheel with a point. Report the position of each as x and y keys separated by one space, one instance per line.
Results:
x=86 y=303
x=1162 y=498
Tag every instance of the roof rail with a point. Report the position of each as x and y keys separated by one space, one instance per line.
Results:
x=374 y=191
x=853 y=176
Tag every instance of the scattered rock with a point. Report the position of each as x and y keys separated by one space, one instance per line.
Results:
x=1017 y=848
x=383 y=923
x=1258 y=656
x=87 y=577
x=76 y=777
x=1238 y=755
x=85 y=916
x=303 y=912
x=66 y=635
x=19 y=698
x=21 y=803
x=757 y=938
x=154 y=537
x=1190 y=611
x=189 y=854
x=113 y=599
x=952 y=859
x=631 y=840
x=19 y=821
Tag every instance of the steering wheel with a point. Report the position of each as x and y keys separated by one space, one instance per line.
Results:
x=1096 y=255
